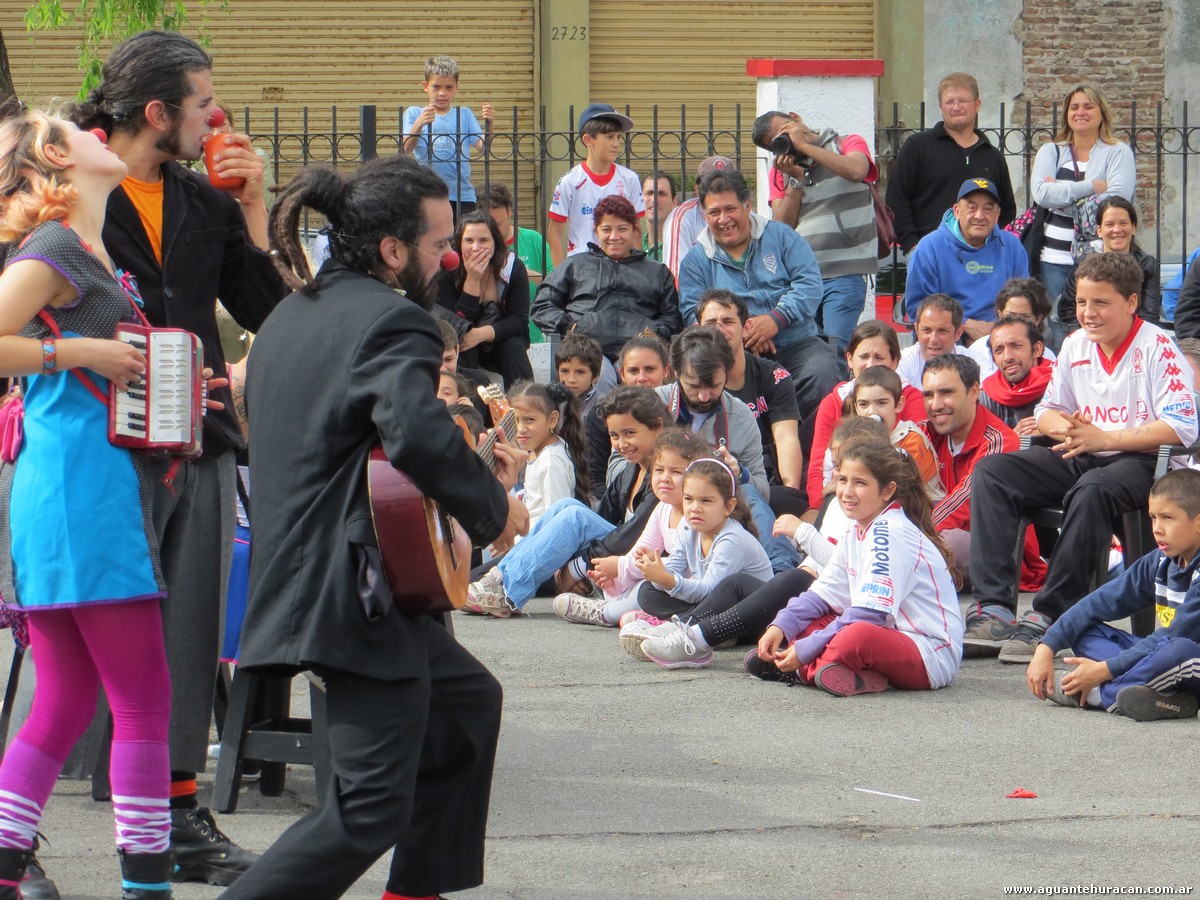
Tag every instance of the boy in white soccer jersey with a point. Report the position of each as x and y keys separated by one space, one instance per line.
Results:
x=1120 y=388
x=597 y=177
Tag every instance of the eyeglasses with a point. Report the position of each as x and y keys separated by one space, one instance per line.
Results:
x=956 y=104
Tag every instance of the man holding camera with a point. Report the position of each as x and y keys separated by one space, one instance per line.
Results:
x=819 y=187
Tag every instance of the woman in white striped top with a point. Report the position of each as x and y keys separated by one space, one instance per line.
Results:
x=1084 y=160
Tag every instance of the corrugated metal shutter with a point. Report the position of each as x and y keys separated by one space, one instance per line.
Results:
x=286 y=55
x=694 y=52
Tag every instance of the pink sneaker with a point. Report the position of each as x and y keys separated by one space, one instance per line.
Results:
x=636 y=615
x=842 y=681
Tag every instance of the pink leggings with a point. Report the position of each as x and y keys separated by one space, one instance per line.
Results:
x=119 y=645
x=861 y=645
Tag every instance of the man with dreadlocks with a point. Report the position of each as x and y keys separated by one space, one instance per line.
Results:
x=347 y=362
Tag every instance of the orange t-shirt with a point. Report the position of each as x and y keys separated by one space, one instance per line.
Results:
x=147 y=199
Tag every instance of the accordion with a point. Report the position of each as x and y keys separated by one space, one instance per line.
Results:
x=163 y=412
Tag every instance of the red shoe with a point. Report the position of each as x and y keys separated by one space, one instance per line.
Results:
x=842 y=681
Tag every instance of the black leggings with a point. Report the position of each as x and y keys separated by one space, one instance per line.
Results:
x=741 y=606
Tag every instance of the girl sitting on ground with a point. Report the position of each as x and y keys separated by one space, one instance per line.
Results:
x=549 y=427
x=716 y=540
x=644 y=361
x=618 y=577
x=569 y=534
x=741 y=606
x=885 y=612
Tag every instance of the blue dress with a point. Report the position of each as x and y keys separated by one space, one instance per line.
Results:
x=75 y=511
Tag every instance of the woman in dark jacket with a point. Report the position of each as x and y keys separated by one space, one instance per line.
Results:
x=1118 y=227
x=613 y=291
x=486 y=299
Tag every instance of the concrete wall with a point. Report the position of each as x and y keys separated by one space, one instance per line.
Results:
x=843 y=103
x=980 y=37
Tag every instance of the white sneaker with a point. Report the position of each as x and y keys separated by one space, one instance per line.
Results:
x=486 y=597
x=581 y=610
x=676 y=648
x=632 y=636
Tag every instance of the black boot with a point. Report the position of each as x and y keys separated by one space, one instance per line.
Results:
x=146 y=876
x=36 y=886
x=12 y=870
x=203 y=852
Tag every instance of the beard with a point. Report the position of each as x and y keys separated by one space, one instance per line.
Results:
x=169 y=142
x=413 y=282
x=696 y=406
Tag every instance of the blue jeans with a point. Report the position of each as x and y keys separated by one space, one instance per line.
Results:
x=842 y=302
x=782 y=552
x=559 y=535
x=1170 y=666
x=1054 y=277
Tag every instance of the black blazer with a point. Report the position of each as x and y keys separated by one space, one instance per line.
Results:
x=333 y=372
x=206 y=256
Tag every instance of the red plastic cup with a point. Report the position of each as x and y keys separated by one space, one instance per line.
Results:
x=212 y=146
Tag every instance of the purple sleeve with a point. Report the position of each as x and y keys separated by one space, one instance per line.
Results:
x=799 y=612
x=812 y=646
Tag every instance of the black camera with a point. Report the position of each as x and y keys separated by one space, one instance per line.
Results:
x=781 y=145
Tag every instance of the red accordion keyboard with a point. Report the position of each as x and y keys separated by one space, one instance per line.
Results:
x=164 y=411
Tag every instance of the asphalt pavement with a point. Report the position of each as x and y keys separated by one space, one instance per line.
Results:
x=618 y=779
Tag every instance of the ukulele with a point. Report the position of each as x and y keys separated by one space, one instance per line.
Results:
x=426 y=554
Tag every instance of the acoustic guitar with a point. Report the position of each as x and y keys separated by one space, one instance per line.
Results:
x=426 y=554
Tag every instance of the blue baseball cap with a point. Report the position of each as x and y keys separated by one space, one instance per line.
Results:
x=603 y=111
x=974 y=185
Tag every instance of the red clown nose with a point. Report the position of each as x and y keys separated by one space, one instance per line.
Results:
x=449 y=261
x=100 y=135
x=216 y=118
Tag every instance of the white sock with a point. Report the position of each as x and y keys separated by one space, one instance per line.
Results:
x=1093 y=697
x=697 y=635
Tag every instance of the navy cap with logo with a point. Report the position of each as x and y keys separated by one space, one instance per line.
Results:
x=603 y=111
x=972 y=185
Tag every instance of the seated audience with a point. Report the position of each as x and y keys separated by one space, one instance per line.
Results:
x=1118 y=391
x=644 y=361
x=486 y=299
x=936 y=330
x=962 y=433
x=774 y=270
x=1019 y=297
x=581 y=367
x=702 y=358
x=969 y=257
x=1149 y=678
x=764 y=386
x=884 y=613
x=613 y=291
x=872 y=343
x=1020 y=375
x=1118 y=229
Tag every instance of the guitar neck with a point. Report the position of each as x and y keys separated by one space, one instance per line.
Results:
x=485 y=449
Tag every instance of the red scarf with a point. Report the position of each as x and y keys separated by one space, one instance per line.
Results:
x=1023 y=393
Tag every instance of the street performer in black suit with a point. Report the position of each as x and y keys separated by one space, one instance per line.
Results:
x=348 y=361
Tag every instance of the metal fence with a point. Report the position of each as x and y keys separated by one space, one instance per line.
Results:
x=531 y=161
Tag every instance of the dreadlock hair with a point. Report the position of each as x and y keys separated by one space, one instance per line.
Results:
x=717 y=473
x=555 y=398
x=890 y=465
x=385 y=197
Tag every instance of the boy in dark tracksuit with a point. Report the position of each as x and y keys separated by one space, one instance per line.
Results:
x=1155 y=677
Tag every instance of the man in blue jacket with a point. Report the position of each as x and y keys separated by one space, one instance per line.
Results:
x=774 y=270
x=969 y=257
